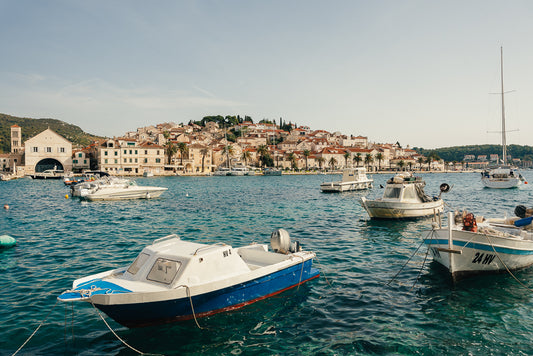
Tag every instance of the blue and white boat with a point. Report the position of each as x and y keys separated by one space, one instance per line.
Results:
x=174 y=280
x=472 y=245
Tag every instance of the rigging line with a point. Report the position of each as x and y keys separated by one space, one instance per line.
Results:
x=421 y=268
x=324 y=273
x=114 y=333
x=503 y=263
x=42 y=322
x=408 y=260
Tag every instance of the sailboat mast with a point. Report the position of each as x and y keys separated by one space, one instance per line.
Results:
x=504 y=143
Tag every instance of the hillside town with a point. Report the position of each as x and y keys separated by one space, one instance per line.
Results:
x=202 y=148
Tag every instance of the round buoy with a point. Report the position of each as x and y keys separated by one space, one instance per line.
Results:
x=7 y=241
x=66 y=196
x=6 y=207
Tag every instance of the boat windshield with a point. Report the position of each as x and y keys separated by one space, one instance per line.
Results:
x=164 y=271
x=392 y=192
x=138 y=263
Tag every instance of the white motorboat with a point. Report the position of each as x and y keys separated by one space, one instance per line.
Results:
x=222 y=171
x=470 y=245
x=502 y=177
x=83 y=188
x=124 y=191
x=352 y=179
x=174 y=280
x=271 y=171
x=404 y=197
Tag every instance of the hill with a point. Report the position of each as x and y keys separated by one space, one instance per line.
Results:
x=31 y=127
x=451 y=154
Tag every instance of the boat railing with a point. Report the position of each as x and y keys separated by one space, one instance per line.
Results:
x=168 y=237
x=208 y=247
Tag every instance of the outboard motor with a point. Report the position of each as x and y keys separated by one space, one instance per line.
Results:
x=520 y=211
x=280 y=241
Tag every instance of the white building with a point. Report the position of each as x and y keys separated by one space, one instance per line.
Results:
x=47 y=150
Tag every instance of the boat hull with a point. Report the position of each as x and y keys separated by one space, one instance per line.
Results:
x=501 y=183
x=381 y=209
x=142 y=313
x=471 y=253
x=125 y=194
x=339 y=187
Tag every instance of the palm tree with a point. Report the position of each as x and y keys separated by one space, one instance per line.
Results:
x=401 y=164
x=170 y=150
x=204 y=152
x=321 y=161
x=332 y=162
x=368 y=159
x=429 y=159
x=379 y=157
x=228 y=151
x=306 y=154
x=347 y=155
x=246 y=156
x=357 y=158
x=183 y=149
x=420 y=161
x=262 y=150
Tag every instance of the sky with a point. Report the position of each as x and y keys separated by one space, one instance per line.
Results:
x=421 y=73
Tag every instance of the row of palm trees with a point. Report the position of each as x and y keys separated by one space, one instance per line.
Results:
x=265 y=157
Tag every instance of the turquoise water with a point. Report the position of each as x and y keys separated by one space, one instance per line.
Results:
x=351 y=309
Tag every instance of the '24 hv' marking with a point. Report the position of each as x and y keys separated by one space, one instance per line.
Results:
x=482 y=258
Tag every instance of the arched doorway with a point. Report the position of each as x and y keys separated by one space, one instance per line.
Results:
x=48 y=163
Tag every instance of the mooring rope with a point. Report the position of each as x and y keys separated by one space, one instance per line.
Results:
x=42 y=322
x=114 y=333
x=324 y=273
x=503 y=263
x=409 y=259
x=192 y=306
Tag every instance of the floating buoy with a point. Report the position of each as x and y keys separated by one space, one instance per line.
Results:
x=66 y=196
x=6 y=207
x=7 y=241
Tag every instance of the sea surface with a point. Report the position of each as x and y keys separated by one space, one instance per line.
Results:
x=379 y=291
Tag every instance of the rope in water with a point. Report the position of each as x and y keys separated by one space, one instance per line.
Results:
x=42 y=322
x=507 y=268
x=116 y=335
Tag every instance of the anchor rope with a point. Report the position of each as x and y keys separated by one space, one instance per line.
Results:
x=324 y=273
x=192 y=306
x=503 y=263
x=408 y=260
x=35 y=331
x=116 y=335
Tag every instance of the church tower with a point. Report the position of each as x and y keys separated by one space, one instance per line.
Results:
x=16 y=139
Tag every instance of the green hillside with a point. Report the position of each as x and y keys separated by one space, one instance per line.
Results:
x=31 y=127
x=450 y=154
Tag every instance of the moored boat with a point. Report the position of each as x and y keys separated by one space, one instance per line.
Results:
x=352 y=179
x=122 y=191
x=49 y=174
x=404 y=197
x=174 y=280
x=470 y=245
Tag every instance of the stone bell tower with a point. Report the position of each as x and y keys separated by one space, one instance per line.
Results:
x=16 y=139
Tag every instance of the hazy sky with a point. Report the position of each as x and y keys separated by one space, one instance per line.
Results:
x=417 y=72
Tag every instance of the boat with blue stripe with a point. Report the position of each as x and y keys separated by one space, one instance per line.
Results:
x=173 y=280
x=472 y=245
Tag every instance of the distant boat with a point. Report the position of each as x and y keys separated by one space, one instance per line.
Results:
x=505 y=176
x=352 y=179
x=173 y=280
x=49 y=174
x=130 y=190
x=404 y=197
x=271 y=171
x=470 y=245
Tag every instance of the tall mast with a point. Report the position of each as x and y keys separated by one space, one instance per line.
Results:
x=504 y=143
